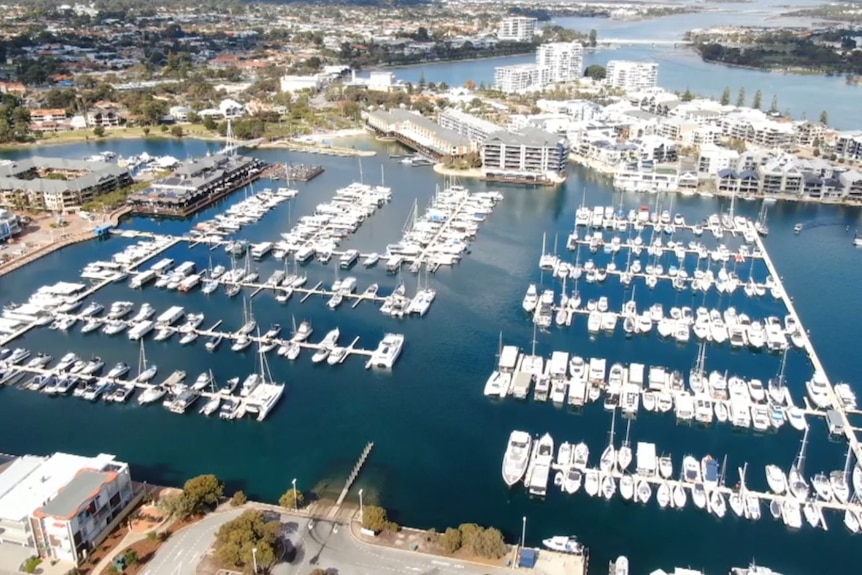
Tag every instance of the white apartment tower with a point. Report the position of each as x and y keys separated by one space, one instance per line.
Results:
x=631 y=76
x=517 y=29
x=564 y=60
x=520 y=77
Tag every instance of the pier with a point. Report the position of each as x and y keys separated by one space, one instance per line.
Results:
x=354 y=473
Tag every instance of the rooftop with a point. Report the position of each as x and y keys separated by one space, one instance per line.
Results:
x=44 y=482
x=83 y=487
x=93 y=173
x=526 y=136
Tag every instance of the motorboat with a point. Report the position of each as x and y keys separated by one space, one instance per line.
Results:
x=691 y=469
x=665 y=466
x=643 y=491
x=609 y=486
x=302 y=332
x=531 y=299
x=822 y=486
x=679 y=496
x=664 y=495
x=818 y=390
x=776 y=479
x=573 y=479
x=591 y=482
x=564 y=544
x=627 y=487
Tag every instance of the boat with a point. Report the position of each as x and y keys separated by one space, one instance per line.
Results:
x=818 y=390
x=691 y=469
x=213 y=343
x=387 y=351
x=517 y=457
x=663 y=495
x=302 y=332
x=564 y=544
x=679 y=496
x=325 y=346
x=531 y=299
x=621 y=566
x=371 y=260
x=211 y=406
x=627 y=487
x=776 y=479
x=591 y=482
x=608 y=460
x=573 y=479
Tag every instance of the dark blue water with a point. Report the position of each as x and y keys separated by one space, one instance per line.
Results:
x=438 y=440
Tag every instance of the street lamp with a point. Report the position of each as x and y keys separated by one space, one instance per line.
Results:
x=523 y=531
x=294 y=495
x=361 y=508
x=254 y=558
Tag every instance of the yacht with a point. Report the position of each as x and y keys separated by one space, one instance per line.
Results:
x=776 y=479
x=371 y=260
x=818 y=391
x=301 y=334
x=691 y=469
x=387 y=351
x=119 y=370
x=211 y=406
x=325 y=346
x=531 y=299
x=213 y=343
x=564 y=544
x=573 y=479
x=93 y=308
x=517 y=457
x=152 y=394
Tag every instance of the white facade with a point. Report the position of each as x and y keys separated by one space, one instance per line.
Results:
x=631 y=76
x=292 y=84
x=517 y=29
x=564 y=60
x=475 y=128
x=62 y=506
x=520 y=78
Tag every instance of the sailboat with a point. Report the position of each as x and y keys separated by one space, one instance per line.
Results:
x=775 y=385
x=624 y=455
x=249 y=323
x=145 y=373
x=697 y=376
x=795 y=480
x=608 y=461
x=760 y=225
x=840 y=480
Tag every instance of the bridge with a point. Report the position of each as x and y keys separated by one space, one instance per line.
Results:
x=642 y=42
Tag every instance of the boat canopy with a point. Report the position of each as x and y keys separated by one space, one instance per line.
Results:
x=636 y=374
x=509 y=358
x=646 y=460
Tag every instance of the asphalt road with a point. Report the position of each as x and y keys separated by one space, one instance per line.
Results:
x=325 y=544
x=183 y=551
x=331 y=547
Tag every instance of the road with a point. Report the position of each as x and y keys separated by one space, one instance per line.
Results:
x=183 y=551
x=327 y=545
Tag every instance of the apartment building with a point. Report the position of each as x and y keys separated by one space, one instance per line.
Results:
x=475 y=128
x=49 y=120
x=848 y=145
x=31 y=179
x=520 y=78
x=9 y=225
x=563 y=60
x=517 y=29
x=712 y=159
x=630 y=76
x=529 y=155
x=64 y=505
x=420 y=133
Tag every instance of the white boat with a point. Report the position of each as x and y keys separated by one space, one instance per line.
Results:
x=717 y=503
x=517 y=457
x=663 y=495
x=573 y=479
x=564 y=544
x=822 y=486
x=643 y=491
x=627 y=487
x=665 y=466
x=387 y=351
x=818 y=390
x=609 y=486
x=302 y=332
x=211 y=406
x=621 y=566
x=531 y=299
x=776 y=479
x=691 y=469
x=679 y=496
x=580 y=455
x=591 y=482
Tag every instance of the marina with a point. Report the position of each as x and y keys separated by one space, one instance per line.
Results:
x=475 y=300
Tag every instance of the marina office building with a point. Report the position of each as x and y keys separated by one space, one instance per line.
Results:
x=58 y=184
x=64 y=505
x=197 y=183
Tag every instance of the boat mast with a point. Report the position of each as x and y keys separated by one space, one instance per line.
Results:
x=534 y=339
x=781 y=371
x=847 y=462
x=613 y=422
x=800 y=459
x=628 y=427
x=723 y=470
x=142 y=359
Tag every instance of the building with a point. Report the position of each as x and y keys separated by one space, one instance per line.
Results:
x=519 y=77
x=529 y=155
x=49 y=120
x=292 y=84
x=630 y=76
x=563 y=60
x=420 y=133
x=517 y=29
x=58 y=184
x=196 y=183
x=64 y=505
x=848 y=145
x=713 y=159
x=9 y=225
x=475 y=128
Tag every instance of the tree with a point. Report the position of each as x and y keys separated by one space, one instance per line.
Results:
x=291 y=498
x=317 y=571
x=824 y=117
x=177 y=132
x=374 y=518
x=489 y=543
x=470 y=85
x=687 y=96
x=593 y=37
x=238 y=499
x=209 y=123
x=740 y=98
x=596 y=72
x=146 y=131
x=725 y=97
x=98 y=131
x=236 y=539
x=758 y=100
x=450 y=541
x=422 y=82
x=773 y=106
x=203 y=492
x=469 y=533
x=131 y=557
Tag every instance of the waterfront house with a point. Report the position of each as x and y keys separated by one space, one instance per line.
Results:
x=848 y=145
x=712 y=159
x=851 y=181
